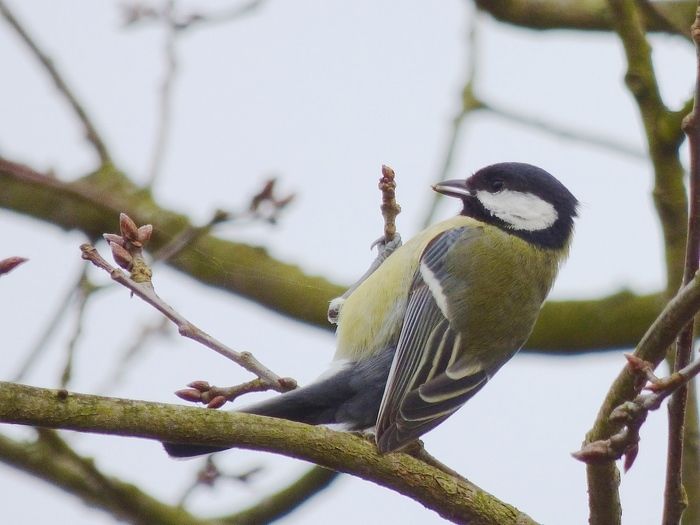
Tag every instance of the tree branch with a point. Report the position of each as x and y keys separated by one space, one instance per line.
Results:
x=91 y=204
x=603 y=479
x=54 y=462
x=145 y=291
x=452 y=498
x=591 y=15
x=675 y=498
x=280 y=504
x=664 y=137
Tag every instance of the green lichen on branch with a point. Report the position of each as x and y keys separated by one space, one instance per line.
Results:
x=286 y=500
x=674 y=16
x=453 y=498
x=61 y=467
x=92 y=205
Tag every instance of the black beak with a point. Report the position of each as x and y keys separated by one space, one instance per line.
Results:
x=454 y=188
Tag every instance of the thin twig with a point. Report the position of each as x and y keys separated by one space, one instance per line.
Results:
x=138 y=13
x=675 y=499
x=390 y=208
x=144 y=335
x=561 y=132
x=286 y=500
x=166 y=92
x=265 y=205
x=216 y=396
x=633 y=413
x=210 y=474
x=603 y=478
x=663 y=141
x=84 y=292
x=468 y=104
x=41 y=343
x=472 y=103
x=90 y=130
x=386 y=244
x=141 y=286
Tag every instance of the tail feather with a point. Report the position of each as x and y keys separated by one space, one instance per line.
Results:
x=351 y=396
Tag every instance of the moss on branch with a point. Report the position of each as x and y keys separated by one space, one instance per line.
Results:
x=60 y=466
x=286 y=500
x=93 y=203
x=672 y=16
x=453 y=498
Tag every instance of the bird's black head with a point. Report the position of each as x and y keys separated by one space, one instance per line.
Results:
x=522 y=199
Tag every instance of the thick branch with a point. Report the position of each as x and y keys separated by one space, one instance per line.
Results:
x=674 y=16
x=452 y=498
x=663 y=138
x=675 y=499
x=93 y=203
x=57 y=464
x=285 y=501
x=603 y=480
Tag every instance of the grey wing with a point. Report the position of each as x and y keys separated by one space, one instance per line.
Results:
x=426 y=383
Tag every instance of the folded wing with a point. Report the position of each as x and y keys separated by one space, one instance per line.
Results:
x=430 y=377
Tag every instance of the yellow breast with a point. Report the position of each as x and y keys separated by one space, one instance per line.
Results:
x=372 y=316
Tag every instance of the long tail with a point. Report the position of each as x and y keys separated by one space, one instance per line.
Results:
x=349 y=396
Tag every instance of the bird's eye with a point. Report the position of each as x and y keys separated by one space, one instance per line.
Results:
x=497 y=185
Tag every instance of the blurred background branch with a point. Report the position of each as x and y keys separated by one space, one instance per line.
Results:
x=90 y=204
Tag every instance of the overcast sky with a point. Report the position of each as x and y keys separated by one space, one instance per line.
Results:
x=321 y=94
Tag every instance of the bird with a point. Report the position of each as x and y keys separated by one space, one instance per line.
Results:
x=441 y=315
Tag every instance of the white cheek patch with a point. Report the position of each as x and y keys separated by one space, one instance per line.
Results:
x=521 y=211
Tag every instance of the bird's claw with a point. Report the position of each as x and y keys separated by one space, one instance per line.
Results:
x=334 y=309
x=387 y=248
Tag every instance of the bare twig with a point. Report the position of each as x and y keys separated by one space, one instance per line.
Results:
x=84 y=292
x=390 y=208
x=569 y=327
x=675 y=499
x=602 y=478
x=210 y=474
x=176 y=24
x=90 y=130
x=216 y=396
x=472 y=103
x=188 y=236
x=265 y=205
x=166 y=91
x=469 y=103
x=126 y=251
x=592 y=139
x=386 y=244
x=281 y=503
x=632 y=414
x=144 y=335
x=49 y=458
x=10 y=263
x=41 y=343
x=663 y=138
x=138 y=12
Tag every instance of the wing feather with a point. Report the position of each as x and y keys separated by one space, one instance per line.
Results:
x=421 y=392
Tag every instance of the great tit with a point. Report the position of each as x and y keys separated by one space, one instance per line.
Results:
x=433 y=323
